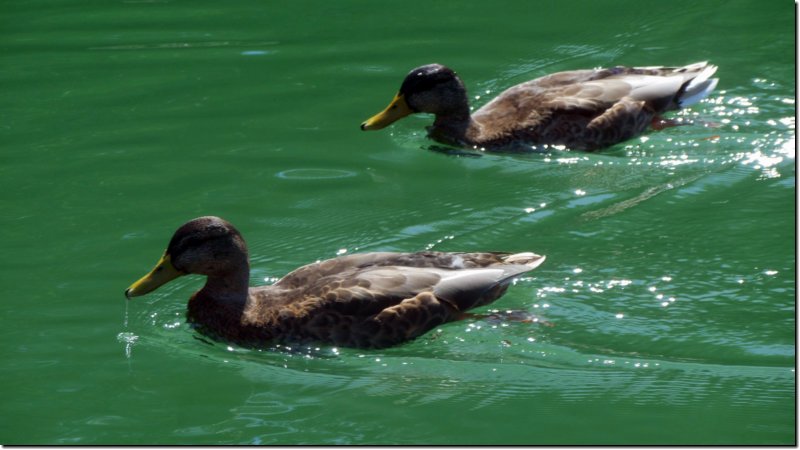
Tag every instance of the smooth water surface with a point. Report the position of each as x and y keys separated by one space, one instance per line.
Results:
x=666 y=307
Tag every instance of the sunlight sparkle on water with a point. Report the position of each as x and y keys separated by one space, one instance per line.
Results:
x=172 y=325
x=542 y=292
x=767 y=152
x=673 y=162
x=623 y=283
x=438 y=241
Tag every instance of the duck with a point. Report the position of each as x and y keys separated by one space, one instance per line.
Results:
x=361 y=300
x=585 y=110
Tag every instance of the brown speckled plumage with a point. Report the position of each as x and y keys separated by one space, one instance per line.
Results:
x=361 y=300
x=580 y=109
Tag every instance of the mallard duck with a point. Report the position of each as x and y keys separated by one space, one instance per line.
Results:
x=579 y=109
x=367 y=300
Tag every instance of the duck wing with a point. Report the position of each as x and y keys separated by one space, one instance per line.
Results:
x=461 y=289
x=597 y=90
x=313 y=272
x=342 y=265
x=662 y=88
x=373 y=280
x=589 y=109
x=383 y=299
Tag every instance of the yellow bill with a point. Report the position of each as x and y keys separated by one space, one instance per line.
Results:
x=162 y=273
x=397 y=109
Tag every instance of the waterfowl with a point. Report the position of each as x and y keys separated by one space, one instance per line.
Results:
x=579 y=109
x=367 y=300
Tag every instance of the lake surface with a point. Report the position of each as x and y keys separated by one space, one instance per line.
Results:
x=666 y=305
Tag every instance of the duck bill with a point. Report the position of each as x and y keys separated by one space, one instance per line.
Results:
x=161 y=274
x=397 y=109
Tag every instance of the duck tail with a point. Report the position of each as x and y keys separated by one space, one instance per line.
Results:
x=529 y=259
x=469 y=288
x=699 y=85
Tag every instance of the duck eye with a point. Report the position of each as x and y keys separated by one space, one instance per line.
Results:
x=159 y=269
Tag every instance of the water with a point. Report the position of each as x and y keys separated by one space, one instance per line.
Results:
x=666 y=305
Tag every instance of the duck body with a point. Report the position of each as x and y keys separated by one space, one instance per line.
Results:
x=368 y=300
x=580 y=109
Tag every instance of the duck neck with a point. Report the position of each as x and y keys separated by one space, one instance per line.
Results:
x=228 y=285
x=454 y=127
x=231 y=287
x=220 y=307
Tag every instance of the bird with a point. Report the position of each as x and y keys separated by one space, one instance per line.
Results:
x=362 y=300
x=580 y=109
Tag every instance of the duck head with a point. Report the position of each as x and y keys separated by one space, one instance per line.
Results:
x=207 y=245
x=432 y=88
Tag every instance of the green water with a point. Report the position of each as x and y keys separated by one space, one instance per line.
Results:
x=668 y=293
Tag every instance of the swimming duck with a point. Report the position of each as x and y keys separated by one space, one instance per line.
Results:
x=579 y=109
x=367 y=300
